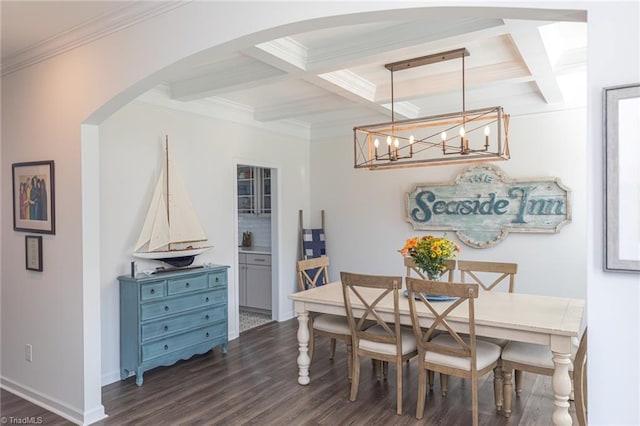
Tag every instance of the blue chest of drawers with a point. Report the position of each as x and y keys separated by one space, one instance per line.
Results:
x=171 y=316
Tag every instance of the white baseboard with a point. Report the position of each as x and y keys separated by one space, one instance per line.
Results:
x=55 y=406
x=111 y=377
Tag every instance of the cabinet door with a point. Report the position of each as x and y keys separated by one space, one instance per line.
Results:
x=265 y=191
x=246 y=190
x=259 y=286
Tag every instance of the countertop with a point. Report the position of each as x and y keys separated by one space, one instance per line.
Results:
x=255 y=249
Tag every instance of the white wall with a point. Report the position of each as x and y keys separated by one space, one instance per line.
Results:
x=206 y=152
x=44 y=105
x=365 y=210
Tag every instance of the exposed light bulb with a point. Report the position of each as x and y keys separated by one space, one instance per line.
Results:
x=396 y=143
x=376 y=143
x=411 y=140
x=443 y=135
x=389 y=140
x=487 y=130
x=462 y=132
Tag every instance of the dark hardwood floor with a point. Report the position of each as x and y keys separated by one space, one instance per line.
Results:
x=256 y=383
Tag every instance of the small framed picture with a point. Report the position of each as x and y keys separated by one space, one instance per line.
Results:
x=34 y=197
x=33 y=252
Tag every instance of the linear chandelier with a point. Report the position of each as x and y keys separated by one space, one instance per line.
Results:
x=473 y=136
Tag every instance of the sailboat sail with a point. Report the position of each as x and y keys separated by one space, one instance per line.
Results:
x=171 y=227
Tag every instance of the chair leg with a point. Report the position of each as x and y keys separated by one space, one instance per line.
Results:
x=497 y=387
x=432 y=378
x=518 y=375
x=350 y=359
x=355 y=377
x=385 y=369
x=422 y=391
x=332 y=348
x=444 y=384
x=398 y=387
x=507 y=393
x=474 y=399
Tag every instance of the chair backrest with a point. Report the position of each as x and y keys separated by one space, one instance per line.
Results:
x=410 y=264
x=312 y=273
x=371 y=292
x=580 y=380
x=466 y=294
x=482 y=273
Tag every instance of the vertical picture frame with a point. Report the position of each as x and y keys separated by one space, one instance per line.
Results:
x=33 y=252
x=622 y=178
x=34 y=197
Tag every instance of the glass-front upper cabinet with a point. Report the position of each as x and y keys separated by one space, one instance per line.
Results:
x=254 y=190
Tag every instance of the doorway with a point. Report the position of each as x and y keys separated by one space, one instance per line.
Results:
x=254 y=185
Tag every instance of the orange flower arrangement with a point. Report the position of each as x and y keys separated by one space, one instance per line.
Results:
x=430 y=252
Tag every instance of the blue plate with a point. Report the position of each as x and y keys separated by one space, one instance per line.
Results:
x=433 y=298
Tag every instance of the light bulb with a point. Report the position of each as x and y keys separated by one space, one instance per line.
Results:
x=411 y=140
x=462 y=132
x=389 y=140
x=376 y=143
x=443 y=135
x=487 y=130
x=396 y=143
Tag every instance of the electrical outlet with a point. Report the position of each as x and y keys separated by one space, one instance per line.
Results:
x=29 y=352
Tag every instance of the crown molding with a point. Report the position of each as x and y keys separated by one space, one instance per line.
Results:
x=94 y=29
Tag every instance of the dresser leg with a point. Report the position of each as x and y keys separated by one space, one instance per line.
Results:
x=124 y=374
x=139 y=376
x=224 y=348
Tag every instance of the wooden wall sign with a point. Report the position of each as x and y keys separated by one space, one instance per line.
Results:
x=482 y=206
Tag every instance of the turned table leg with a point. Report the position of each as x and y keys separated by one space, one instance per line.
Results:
x=303 y=347
x=561 y=389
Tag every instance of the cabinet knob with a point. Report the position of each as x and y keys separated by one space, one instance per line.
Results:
x=206 y=317
x=166 y=328
x=217 y=279
x=153 y=291
x=206 y=299
x=166 y=308
x=166 y=347
x=187 y=285
x=207 y=334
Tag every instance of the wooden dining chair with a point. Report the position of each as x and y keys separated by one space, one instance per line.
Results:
x=312 y=273
x=580 y=380
x=538 y=359
x=492 y=276
x=385 y=341
x=449 y=352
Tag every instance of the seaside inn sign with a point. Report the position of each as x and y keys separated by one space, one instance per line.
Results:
x=482 y=206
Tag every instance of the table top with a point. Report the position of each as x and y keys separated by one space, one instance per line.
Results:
x=516 y=316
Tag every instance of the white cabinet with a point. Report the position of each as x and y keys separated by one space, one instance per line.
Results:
x=255 y=281
x=254 y=190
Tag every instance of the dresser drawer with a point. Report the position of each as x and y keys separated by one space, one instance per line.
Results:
x=178 y=304
x=152 y=329
x=152 y=290
x=259 y=259
x=218 y=279
x=175 y=343
x=185 y=285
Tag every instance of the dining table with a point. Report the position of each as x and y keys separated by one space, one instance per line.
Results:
x=546 y=320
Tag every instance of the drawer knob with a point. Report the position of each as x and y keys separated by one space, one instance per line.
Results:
x=217 y=279
x=153 y=291
x=166 y=347
x=166 y=328
x=207 y=334
x=187 y=285
x=166 y=308
x=206 y=317
x=206 y=299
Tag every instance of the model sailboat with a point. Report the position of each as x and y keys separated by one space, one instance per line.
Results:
x=171 y=232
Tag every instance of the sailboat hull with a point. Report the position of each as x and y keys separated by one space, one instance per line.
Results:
x=177 y=258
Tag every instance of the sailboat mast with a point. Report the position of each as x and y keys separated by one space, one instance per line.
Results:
x=166 y=149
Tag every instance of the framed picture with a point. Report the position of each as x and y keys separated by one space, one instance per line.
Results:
x=33 y=252
x=34 y=197
x=622 y=163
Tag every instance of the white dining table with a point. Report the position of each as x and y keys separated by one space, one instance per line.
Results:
x=546 y=320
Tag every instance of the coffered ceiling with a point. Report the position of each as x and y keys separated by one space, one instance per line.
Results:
x=326 y=81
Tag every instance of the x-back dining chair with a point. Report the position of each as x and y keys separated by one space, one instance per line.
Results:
x=449 y=352
x=385 y=341
x=312 y=273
